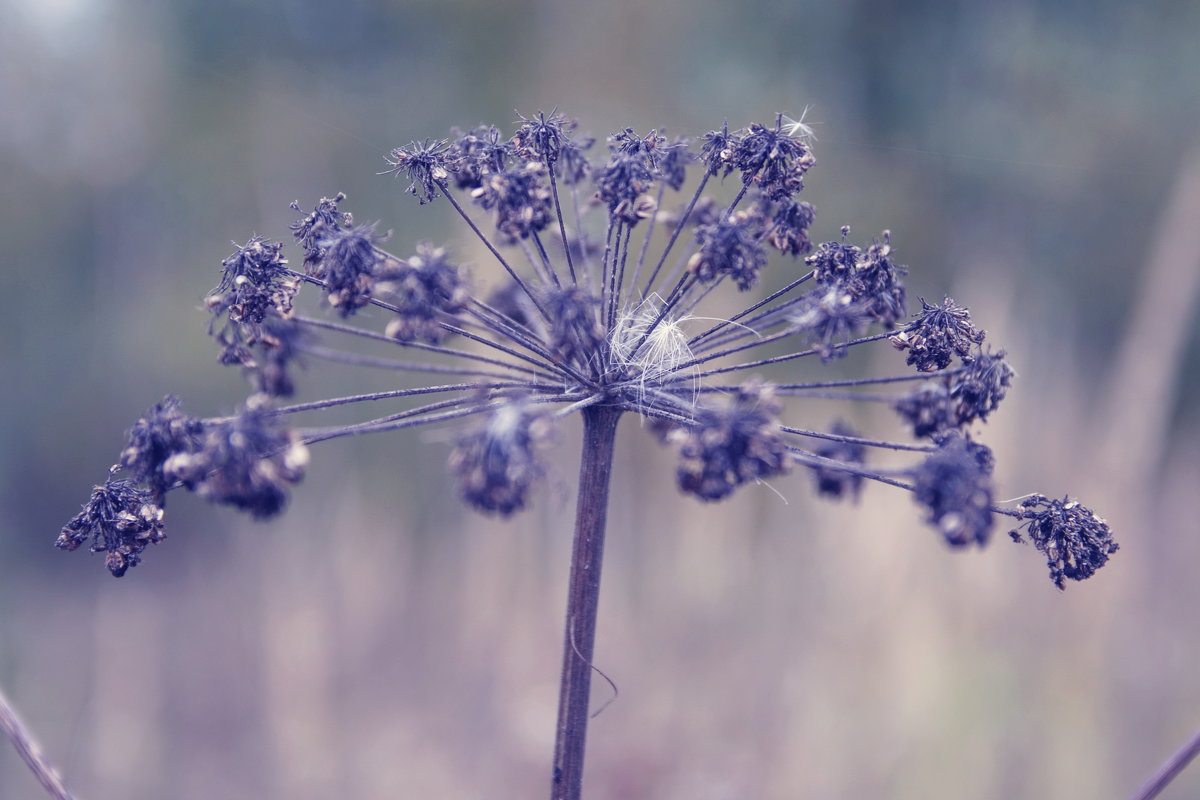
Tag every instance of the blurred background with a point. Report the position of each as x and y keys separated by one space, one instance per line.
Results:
x=1038 y=161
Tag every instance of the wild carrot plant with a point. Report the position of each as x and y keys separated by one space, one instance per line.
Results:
x=604 y=318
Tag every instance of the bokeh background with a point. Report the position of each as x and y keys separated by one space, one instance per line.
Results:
x=1038 y=161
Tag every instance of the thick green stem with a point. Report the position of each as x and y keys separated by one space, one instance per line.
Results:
x=583 y=598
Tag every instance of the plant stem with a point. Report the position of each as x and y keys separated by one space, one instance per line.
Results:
x=1171 y=769
x=29 y=751
x=583 y=597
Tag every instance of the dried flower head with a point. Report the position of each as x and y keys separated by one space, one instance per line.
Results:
x=423 y=289
x=730 y=446
x=164 y=432
x=958 y=397
x=499 y=463
x=582 y=316
x=773 y=159
x=348 y=266
x=426 y=164
x=247 y=461
x=953 y=484
x=255 y=282
x=542 y=137
x=324 y=220
x=790 y=221
x=1074 y=540
x=731 y=247
x=842 y=445
x=120 y=520
x=937 y=335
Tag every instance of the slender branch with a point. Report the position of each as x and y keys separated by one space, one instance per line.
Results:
x=698 y=299
x=736 y=317
x=741 y=194
x=679 y=226
x=608 y=245
x=541 y=248
x=637 y=268
x=562 y=227
x=414 y=417
x=539 y=267
x=583 y=596
x=362 y=398
x=1170 y=769
x=863 y=397
x=494 y=321
x=503 y=325
x=432 y=348
x=801 y=389
x=487 y=243
x=495 y=315
x=765 y=361
x=620 y=281
x=582 y=238
x=357 y=360
x=834 y=437
x=814 y=460
x=487 y=342
x=709 y=355
x=398 y=421
x=579 y=406
x=30 y=752
x=918 y=376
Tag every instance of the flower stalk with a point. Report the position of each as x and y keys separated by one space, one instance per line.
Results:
x=583 y=599
x=27 y=747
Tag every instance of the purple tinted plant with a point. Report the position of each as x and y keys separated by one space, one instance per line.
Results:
x=589 y=320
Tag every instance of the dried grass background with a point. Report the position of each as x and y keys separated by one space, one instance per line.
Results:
x=379 y=641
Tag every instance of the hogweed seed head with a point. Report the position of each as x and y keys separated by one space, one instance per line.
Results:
x=519 y=198
x=163 y=433
x=790 y=221
x=255 y=282
x=542 y=138
x=247 y=461
x=423 y=289
x=323 y=221
x=499 y=463
x=937 y=335
x=348 y=266
x=834 y=318
x=730 y=446
x=773 y=159
x=1075 y=541
x=624 y=184
x=581 y=313
x=717 y=150
x=426 y=164
x=120 y=520
x=732 y=248
x=838 y=483
x=955 y=490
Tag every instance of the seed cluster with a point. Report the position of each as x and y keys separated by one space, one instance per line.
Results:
x=594 y=294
